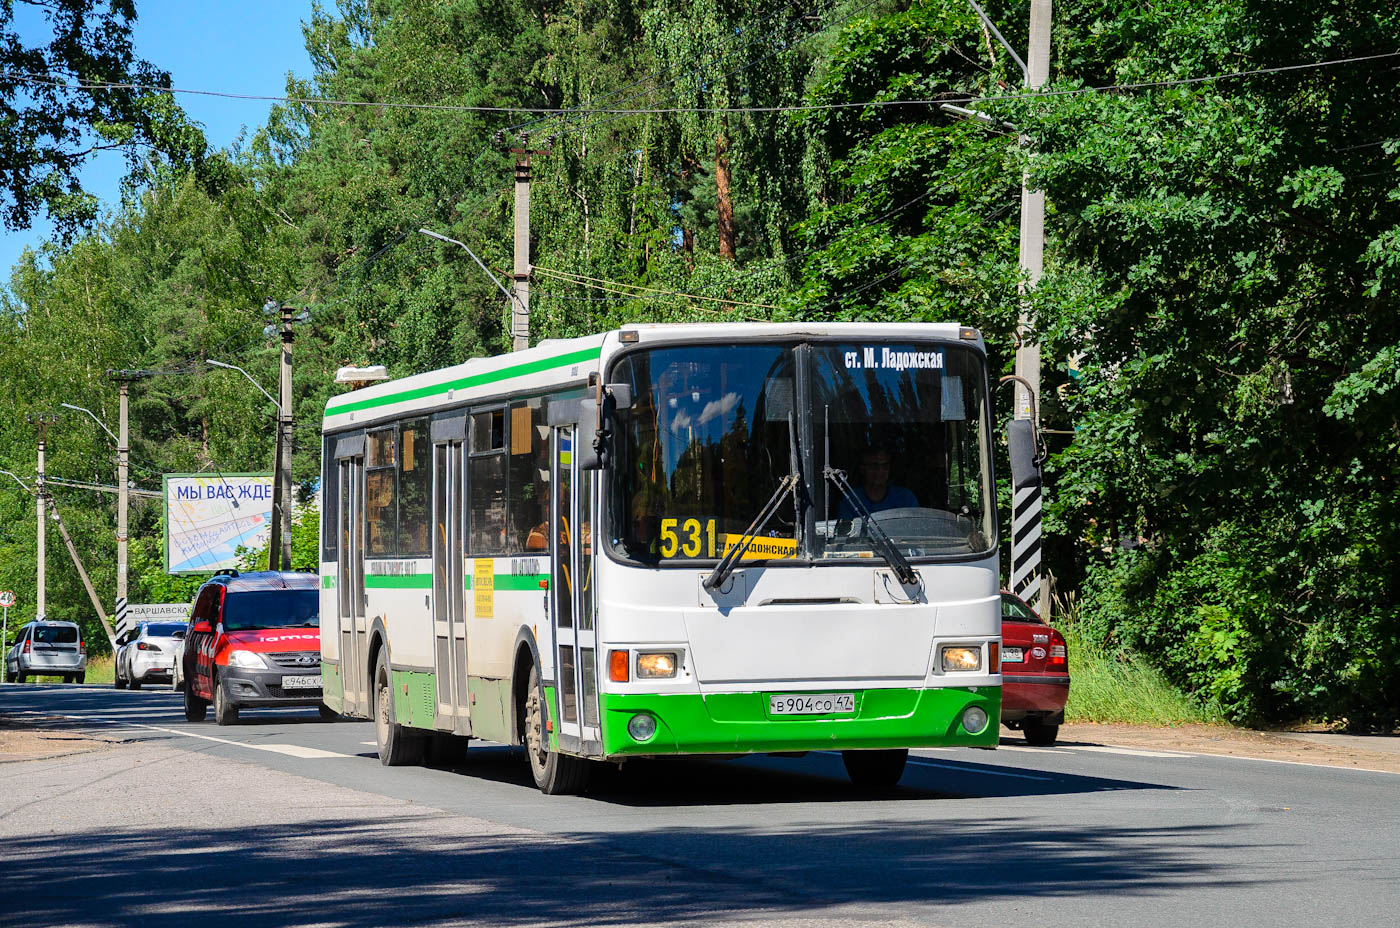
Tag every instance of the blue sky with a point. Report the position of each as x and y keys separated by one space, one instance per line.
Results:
x=247 y=46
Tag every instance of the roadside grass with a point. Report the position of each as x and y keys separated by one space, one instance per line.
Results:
x=1107 y=687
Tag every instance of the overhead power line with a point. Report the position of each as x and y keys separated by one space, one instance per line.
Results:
x=951 y=97
x=602 y=284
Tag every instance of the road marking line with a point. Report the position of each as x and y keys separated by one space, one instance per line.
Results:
x=1130 y=752
x=291 y=750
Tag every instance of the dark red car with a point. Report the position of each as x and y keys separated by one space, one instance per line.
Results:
x=1034 y=673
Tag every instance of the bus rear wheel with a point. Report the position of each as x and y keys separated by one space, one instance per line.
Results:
x=875 y=769
x=555 y=774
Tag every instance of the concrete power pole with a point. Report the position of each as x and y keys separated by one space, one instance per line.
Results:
x=41 y=494
x=279 y=549
x=1027 y=579
x=123 y=379
x=520 y=306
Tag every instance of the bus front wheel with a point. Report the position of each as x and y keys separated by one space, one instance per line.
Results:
x=398 y=747
x=875 y=769
x=555 y=774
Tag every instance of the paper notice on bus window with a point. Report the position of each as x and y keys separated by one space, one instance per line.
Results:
x=761 y=547
x=484 y=586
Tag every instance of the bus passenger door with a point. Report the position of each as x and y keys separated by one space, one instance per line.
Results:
x=575 y=643
x=351 y=586
x=449 y=626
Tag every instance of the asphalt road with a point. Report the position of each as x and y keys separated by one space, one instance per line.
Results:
x=287 y=820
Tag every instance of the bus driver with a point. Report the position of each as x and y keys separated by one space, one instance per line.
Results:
x=875 y=490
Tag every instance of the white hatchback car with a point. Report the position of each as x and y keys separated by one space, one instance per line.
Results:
x=147 y=654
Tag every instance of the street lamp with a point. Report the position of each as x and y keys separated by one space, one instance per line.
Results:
x=94 y=419
x=518 y=299
x=235 y=367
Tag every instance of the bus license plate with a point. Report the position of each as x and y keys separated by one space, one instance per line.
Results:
x=1012 y=655
x=301 y=683
x=812 y=704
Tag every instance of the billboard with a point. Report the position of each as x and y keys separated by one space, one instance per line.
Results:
x=208 y=517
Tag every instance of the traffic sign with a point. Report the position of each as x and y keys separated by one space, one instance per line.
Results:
x=7 y=599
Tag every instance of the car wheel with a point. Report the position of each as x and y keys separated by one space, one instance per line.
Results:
x=1041 y=734
x=398 y=746
x=118 y=681
x=327 y=713
x=195 y=708
x=555 y=774
x=135 y=683
x=225 y=712
x=875 y=769
x=80 y=677
x=22 y=678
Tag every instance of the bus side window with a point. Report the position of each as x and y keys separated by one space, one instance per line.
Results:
x=529 y=477
x=381 y=513
x=487 y=477
x=415 y=488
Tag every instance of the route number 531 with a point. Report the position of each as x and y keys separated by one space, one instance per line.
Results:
x=687 y=537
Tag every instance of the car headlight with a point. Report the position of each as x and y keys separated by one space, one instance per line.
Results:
x=963 y=659
x=247 y=659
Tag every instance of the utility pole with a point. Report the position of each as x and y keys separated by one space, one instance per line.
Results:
x=520 y=306
x=1027 y=577
x=279 y=549
x=520 y=289
x=42 y=422
x=123 y=379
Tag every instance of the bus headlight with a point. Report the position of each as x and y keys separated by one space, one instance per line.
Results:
x=961 y=659
x=656 y=664
x=641 y=727
x=974 y=719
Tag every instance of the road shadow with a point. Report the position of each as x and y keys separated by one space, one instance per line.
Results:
x=819 y=776
x=415 y=869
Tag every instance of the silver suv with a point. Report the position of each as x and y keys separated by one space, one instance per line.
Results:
x=45 y=649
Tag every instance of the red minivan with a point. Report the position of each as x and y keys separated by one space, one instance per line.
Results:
x=254 y=640
x=1034 y=673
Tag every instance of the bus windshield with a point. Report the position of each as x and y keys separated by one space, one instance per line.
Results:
x=907 y=426
x=703 y=449
x=898 y=441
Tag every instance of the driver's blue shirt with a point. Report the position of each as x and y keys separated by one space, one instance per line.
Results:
x=896 y=497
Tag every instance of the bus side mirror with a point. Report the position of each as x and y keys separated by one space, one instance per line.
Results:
x=1020 y=446
x=590 y=446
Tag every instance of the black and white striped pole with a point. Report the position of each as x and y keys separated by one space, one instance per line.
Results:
x=1027 y=453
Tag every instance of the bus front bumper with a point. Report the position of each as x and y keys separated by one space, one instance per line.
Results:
x=740 y=723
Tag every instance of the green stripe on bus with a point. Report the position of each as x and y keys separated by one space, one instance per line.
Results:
x=462 y=383
x=425 y=582
x=512 y=581
x=407 y=582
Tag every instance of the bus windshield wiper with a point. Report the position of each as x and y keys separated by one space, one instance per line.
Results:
x=886 y=549
x=793 y=481
x=726 y=566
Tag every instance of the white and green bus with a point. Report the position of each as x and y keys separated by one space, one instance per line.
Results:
x=670 y=540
